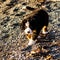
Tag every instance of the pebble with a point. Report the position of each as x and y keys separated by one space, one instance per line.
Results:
x=20 y=14
x=5 y=36
x=0 y=31
x=58 y=19
x=24 y=3
x=16 y=9
x=5 y=20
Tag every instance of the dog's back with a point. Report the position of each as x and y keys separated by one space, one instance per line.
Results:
x=39 y=20
x=34 y=23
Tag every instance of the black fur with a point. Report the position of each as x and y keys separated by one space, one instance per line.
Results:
x=37 y=21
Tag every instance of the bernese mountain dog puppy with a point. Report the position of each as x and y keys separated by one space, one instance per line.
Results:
x=34 y=23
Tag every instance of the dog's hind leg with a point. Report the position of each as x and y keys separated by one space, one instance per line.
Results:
x=44 y=30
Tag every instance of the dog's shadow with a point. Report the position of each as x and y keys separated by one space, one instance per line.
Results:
x=43 y=39
x=50 y=37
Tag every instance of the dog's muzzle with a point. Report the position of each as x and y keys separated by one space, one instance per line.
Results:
x=28 y=31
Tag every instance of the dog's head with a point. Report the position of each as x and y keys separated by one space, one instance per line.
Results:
x=35 y=22
x=26 y=27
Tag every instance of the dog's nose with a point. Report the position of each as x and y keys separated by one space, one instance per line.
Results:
x=28 y=32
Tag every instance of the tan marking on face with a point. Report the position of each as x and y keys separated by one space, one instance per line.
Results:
x=34 y=31
x=28 y=36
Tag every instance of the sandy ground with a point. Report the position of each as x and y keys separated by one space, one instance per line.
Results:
x=12 y=41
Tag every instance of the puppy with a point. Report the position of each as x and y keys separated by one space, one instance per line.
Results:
x=34 y=23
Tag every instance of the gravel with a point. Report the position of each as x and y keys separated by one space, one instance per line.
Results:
x=12 y=39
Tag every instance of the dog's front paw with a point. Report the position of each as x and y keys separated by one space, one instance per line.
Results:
x=31 y=42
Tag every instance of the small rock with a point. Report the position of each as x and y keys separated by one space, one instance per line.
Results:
x=5 y=31
x=58 y=19
x=5 y=20
x=5 y=36
x=16 y=9
x=58 y=25
x=0 y=31
x=20 y=14
x=23 y=7
x=1 y=48
x=30 y=8
x=12 y=3
x=24 y=3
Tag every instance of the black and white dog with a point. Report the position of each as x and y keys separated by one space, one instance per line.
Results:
x=36 y=22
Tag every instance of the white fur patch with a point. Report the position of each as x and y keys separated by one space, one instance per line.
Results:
x=27 y=24
x=31 y=42
x=28 y=29
x=44 y=32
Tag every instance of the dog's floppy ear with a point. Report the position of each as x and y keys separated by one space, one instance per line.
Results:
x=23 y=24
